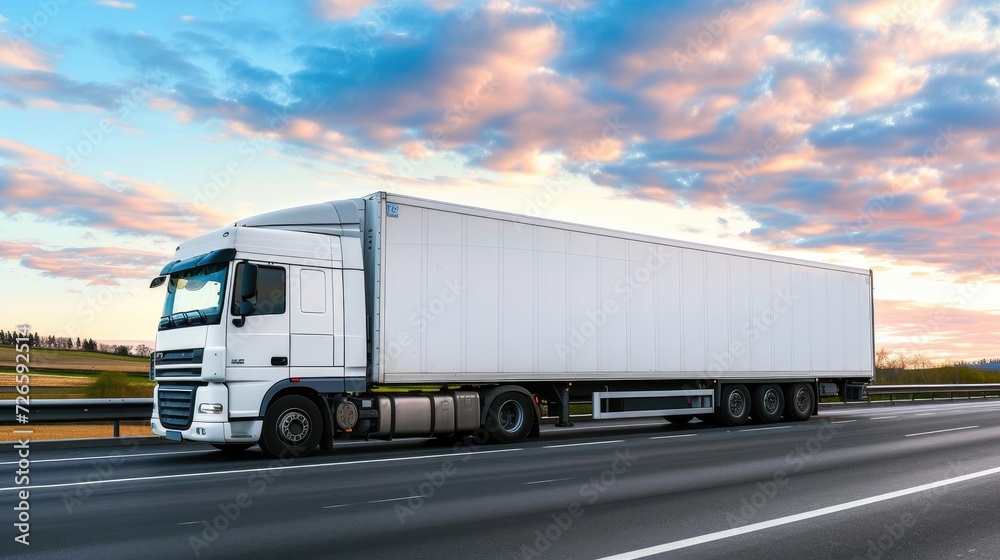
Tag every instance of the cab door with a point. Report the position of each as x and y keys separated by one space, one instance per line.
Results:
x=257 y=347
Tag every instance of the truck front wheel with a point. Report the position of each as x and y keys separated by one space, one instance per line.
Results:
x=509 y=418
x=293 y=426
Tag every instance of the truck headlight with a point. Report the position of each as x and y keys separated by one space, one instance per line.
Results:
x=210 y=408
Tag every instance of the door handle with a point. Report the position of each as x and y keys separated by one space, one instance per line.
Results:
x=279 y=361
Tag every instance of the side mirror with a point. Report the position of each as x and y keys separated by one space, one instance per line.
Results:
x=157 y=282
x=248 y=290
x=248 y=284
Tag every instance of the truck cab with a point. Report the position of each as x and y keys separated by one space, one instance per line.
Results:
x=270 y=307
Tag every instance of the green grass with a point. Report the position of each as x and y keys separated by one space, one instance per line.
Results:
x=72 y=361
x=115 y=384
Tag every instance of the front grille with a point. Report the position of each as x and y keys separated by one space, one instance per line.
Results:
x=164 y=364
x=167 y=357
x=179 y=372
x=176 y=405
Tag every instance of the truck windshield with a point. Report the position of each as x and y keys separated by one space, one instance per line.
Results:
x=194 y=296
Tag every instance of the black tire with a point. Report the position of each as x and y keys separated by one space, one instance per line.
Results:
x=510 y=417
x=769 y=403
x=680 y=419
x=232 y=448
x=293 y=427
x=734 y=407
x=800 y=399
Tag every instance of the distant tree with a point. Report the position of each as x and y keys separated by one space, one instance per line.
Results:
x=78 y=346
x=123 y=350
x=143 y=350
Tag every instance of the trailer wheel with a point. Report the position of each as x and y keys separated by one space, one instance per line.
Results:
x=292 y=426
x=509 y=418
x=232 y=448
x=680 y=419
x=734 y=409
x=769 y=403
x=799 y=402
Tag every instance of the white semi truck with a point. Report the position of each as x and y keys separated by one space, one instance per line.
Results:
x=391 y=316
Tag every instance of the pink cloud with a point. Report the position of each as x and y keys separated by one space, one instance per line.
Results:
x=18 y=53
x=341 y=9
x=99 y=266
x=135 y=207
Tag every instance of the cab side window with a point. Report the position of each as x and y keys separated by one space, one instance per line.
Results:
x=270 y=297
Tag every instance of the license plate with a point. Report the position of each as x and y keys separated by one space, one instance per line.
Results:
x=174 y=435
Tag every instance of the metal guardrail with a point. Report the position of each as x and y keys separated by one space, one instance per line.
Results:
x=77 y=410
x=950 y=390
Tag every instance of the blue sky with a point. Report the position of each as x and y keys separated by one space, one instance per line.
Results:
x=857 y=132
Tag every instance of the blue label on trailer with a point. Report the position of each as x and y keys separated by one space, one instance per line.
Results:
x=392 y=210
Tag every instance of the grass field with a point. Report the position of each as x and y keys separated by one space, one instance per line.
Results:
x=72 y=361
x=68 y=374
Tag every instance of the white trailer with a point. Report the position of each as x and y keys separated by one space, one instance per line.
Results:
x=293 y=328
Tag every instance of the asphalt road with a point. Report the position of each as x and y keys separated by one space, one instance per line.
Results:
x=908 y=481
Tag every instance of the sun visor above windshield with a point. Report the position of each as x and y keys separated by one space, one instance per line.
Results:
x=217 y=256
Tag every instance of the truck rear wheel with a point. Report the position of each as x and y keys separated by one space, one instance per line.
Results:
x=734 y=408
x=799 y=402
x=509 y=418
x=292 y=426
x=769 y=403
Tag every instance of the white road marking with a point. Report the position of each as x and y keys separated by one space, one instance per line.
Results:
x=584 y=443
x=547 y=481
x=843 y=421
x=941 y=431
x=676 y=436
x=121 y=456
x=760 y=429
x=711 y=537
x=256 y=470
x=882 y=417
x=191 y=522
x=926 y=414
x=374 y=502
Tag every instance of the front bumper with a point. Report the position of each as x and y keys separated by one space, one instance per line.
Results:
x=243 y=431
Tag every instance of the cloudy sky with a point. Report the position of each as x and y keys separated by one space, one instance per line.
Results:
x=855 y=132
